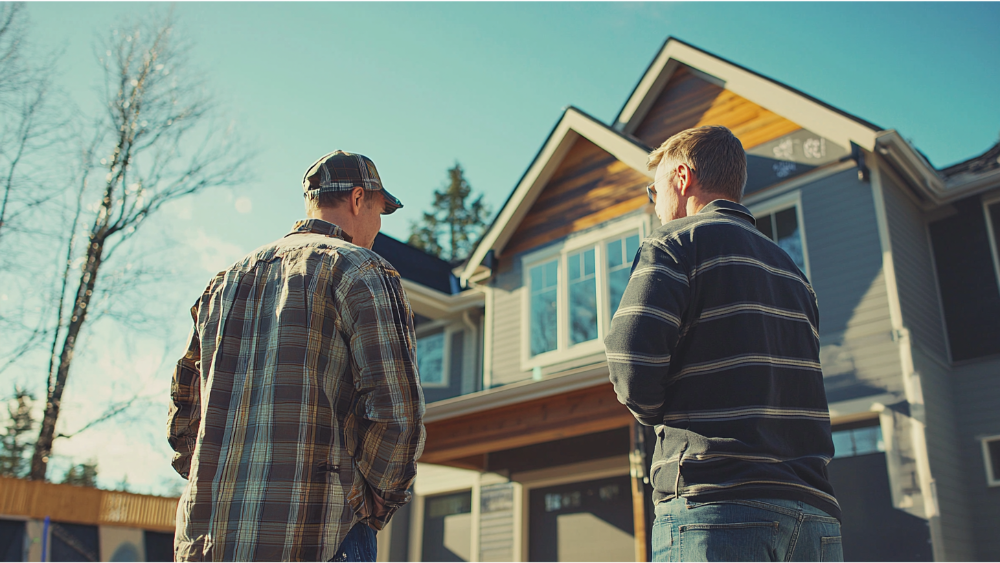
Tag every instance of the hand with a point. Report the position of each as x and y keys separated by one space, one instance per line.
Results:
x=374 y=511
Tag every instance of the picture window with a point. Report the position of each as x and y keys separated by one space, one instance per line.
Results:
x=573 y=296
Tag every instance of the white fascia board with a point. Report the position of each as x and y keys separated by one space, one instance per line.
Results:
x=433 y=303
x=761 y=91
x=572 y=125
x=514 y=393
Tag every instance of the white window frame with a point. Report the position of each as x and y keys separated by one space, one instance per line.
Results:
x=780 y=203
x=990 y=470
x=596 y=239
x=991 y=230
x=447 y=328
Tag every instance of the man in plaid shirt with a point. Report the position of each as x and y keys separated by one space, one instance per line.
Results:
x=296 y=410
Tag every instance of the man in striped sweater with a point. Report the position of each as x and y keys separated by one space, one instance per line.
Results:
x=716 y=345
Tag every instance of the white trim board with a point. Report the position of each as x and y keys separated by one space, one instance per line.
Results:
x=987 y=461
x=991 y=232
x=574 y=124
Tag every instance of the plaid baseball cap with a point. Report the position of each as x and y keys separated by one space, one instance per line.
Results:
x=341 y=171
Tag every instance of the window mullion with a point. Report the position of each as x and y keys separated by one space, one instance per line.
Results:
x=601 y=272
x=562 y=303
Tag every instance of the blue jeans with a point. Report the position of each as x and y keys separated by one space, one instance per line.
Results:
x=744 y=530
x=358 y=545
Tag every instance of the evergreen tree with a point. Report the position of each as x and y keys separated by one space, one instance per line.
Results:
x=82 y=475
x=454 y=223
x=16 y=442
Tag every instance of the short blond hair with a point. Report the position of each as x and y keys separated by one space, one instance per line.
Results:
x=715 y=156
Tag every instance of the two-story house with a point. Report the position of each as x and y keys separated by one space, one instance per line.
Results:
x=530 y=456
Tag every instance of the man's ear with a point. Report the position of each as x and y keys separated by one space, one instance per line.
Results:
x=357 y=200
x=684 y=178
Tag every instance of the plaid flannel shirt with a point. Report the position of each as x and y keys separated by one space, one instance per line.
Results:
x=297 y=399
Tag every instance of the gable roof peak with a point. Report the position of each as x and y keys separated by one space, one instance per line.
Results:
x=808 y=112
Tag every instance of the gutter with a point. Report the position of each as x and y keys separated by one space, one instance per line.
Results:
x=520 y=392
x=938 y=188
x=422 y=297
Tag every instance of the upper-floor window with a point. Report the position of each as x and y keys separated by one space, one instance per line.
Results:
x=574 y=289
x=781 y=220
x=431 y=359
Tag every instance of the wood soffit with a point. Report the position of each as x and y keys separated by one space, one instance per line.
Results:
x=575 y=413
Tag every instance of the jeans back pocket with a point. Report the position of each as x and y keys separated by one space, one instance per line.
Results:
x=741 y=541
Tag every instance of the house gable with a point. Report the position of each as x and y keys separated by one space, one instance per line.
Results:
x=590 y=186
x=795 y=106
x=692 y=99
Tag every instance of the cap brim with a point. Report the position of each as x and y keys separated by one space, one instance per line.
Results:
x=392 y=202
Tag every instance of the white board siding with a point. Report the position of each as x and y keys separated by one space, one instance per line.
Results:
x=977 y=394
x=496 y=522
x=507 y=327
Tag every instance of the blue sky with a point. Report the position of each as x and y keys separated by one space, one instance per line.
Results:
x=419 y=86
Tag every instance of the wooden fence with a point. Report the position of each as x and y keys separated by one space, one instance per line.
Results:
x=84 y=505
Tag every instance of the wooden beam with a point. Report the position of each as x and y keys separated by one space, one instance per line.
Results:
x=637 y=469
x=474 y=462
x=583 y=411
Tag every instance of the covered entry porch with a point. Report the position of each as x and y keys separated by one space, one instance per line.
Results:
x=553 y=471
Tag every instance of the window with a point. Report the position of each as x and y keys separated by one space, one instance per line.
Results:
x=573 y=290
x=448 y=527
x=781 y=221
x=991 y=457
x=544 y=285
x=430 y=360
x=858 y=441
x=582 y=296
x=621 y=253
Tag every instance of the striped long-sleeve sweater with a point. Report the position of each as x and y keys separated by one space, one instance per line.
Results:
x=716 y=344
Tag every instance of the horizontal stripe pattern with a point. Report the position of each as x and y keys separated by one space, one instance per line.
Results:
x=638 y=359
x=648 y=311
x=747 y=307
x=716 y=343
x=747 y=412
x=744 y=361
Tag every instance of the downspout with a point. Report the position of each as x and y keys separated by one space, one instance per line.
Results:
x=473 y=336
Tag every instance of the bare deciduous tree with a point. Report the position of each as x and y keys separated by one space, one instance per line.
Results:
x=31 y=126
x=161 y=145
x=29 y=122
